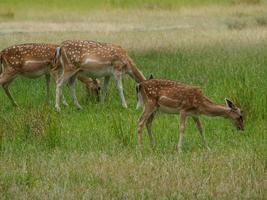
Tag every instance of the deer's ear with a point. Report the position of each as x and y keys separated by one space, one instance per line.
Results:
x=230 y=104
x=151 y=76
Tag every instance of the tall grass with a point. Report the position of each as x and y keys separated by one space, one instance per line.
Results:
x=95 y=149
x=92 y=153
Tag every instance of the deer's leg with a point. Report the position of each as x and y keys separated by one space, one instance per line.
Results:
x=5 y=80
x=149 y=127
x=148 y=111
x=64 y=102
x=63 y=78
x=120 y=88
x=47 y=79
x=54 y=75
x=201 y=132
x=72 y=91
x=105 y=87
x=58 y=93
x=97 y=89
x=181 y=129
x=5 y=86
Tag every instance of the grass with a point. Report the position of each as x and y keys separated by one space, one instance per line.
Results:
x=262 y=20
x=92 y=153
x=93 y=4
x=56 y=10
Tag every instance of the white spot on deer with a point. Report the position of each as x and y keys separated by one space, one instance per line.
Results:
x=94 y=61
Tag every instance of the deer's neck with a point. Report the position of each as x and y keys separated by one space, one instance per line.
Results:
x=137 y=75
x=212 y=109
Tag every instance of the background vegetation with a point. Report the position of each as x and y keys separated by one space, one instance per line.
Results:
x=92 y=153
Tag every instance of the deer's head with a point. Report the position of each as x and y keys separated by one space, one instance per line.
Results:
x=93 y=88
x=235 y=114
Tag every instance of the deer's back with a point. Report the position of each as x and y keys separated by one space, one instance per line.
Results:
x=185 y=96
x=78 y=51
x=19 y=55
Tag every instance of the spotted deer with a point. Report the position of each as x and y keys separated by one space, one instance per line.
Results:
x=92 y=86
x=31 y=60
x=178 y=98
x=96 y=60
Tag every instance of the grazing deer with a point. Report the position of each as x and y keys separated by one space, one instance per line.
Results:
x=175 y=97
x=31 y=60
x=96 y=60
x=92 y=86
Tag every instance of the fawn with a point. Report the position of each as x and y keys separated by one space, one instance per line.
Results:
x=178 y=98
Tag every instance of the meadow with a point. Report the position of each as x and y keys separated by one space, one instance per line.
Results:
x=92 y=153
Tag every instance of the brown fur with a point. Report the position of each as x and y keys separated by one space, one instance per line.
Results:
x=187 y=97
x=32 y=60
x=77 y=51
x=176 y=97
x=98 y=60
x=17 y=55
x=92 y=86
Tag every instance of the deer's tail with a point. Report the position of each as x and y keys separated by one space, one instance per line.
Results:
x=56 y=57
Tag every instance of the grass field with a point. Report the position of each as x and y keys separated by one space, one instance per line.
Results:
x=92 y=153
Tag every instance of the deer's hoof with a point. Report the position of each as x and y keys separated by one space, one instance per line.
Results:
x=208 y=149
x=179 y=149
x=65 y=103
x=79 y=107
x=57 y=109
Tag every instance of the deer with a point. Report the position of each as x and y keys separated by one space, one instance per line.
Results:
x=95 y=59
x=174 y=97
x=33 y=60
x=92 y=86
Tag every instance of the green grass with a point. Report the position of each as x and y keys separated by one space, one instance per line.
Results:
x=78 y=146
x=92 y=4
x=17 y=9
x=92 y=153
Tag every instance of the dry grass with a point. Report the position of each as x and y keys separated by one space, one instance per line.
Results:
x=101 y=176
x=144 y=29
